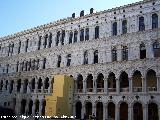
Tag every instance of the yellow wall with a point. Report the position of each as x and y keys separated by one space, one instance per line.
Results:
x=60 y=102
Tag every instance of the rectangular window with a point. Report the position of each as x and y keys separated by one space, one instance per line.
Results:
x=50 y=40
x=19 y=47
x=70 y=37
x=26 y=45
x=124 y=53
x=87 y=34
x=39 y=42
x=114 y=54
x=141 y=24
x=124 y=26
x=44 y=63
x=62 y=38
x=114 y=28
x=75 y=36
x=59 y=61
x=82 y=35
x=68 y=59
x=57 y=38
x=96 y=32
x=45 y=41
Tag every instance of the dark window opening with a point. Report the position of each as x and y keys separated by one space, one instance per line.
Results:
x=156 y=49
x=96 y=32
x=19 y=47
x=26 y=48
x=114 y=28
x=75 y=36
x=141 y=24
x=59 y=61
x=68 y=59
x=57 y=38
x=142 y=51
x=62 y=38
x=45 y=40
x=7 y=68
x=114 y=54
x=85 y=58
x=18 y=85
x=50 y=40
x=39 y=42
x=87 y=34
x=44 y=63
x=17 y=66
x=154 y=21
x=124 y=26
x=70 y=37
x=82 y=35
x=46 y=83
x=125 y=53
x=95 y=56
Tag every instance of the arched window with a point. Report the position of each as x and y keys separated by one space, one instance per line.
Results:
x=45 y=40
x=142 y=51
x=156 y=49
x=75 y=36
x=124 y=82
x=79 y=83
x=39 y=84
x=26 y=47
x=87 y=34
x=18 y=85
x=11 y=86
x=33 y=84
x=85 y=61
x=95 y=56
x=57 y=38
x=124 y=53
x=124 y=26
x=96 y=32
x=59 y=61
x=100 y=83
x=141 y=24
x=44 y=63
x=1 y=85
x=82 y=35
x=68 y=59
x=154 y=21
x=70 y=37
x=25 y=84
x=114 y=28
x=62 y=38
x=50 y=40
x=114 y=54
x=39 y=42
x=19 y=47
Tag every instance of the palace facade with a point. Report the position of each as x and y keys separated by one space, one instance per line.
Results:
x=112 y=55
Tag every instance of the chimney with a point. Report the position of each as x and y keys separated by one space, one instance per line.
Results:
x=82 y=13
x=73 y=15
x=91 y=10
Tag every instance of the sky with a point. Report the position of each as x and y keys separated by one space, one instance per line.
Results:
x=19 y=15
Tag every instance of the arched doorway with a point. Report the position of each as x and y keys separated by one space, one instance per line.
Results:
x=90 y=83
x=43 y=107
x=30 y=107
x=99 y=111
x=78 y=110
x=123 y=111
x=137 y=81
x=151 y=80
x=112 y=82
x=100 y=83
x=88 y=109
x=152 y=111
x=111 y=110
x=138 y=111
x=124 y=83
x=37 y=106
x=23 y=106
x=79 y=83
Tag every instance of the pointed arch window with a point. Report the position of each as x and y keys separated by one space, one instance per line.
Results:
x=85 y=58
x=154 y=21
x=114 y=28
x=124 y=26
x=95 y=56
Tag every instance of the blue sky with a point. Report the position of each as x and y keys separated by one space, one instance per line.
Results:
x=18 y=15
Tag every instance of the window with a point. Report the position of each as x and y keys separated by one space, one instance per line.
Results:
x=26 y=64
x=59 y=61
x=95 y=56
x=44 y=63
x=12 y=46
x=87 y=34
x=114 y=28
x=141 y=24
x=82 y=35
x=124 y=26
x=45 y=40
x=19 y=47
x=154 y=21
x=75 y=36
x=125 y=53
x=70 y=37
x=114 y=54
x=96 y=32
x=50 y=40
x=39 y=42
x=17 y=66
x=85 y=58
x=9 y=49
x=37 y=66
x=22 y=65
x=156 y=49
x=142 y=51
x=62 y=38
x=7 y=68
x=26 y=45
x=57 y=38
x=68 y=59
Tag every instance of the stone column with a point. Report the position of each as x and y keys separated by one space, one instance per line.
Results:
x=50 y=85
x=130 y=112
x=15 y=86
x=159 y=112
x=144 y=87
x=74 y=111
x=105 y=111
x=9 y=86
x=117 y=114
x=94 y=109
x=75 y=86
x=83 y=110
x=33 y=108
x=40 y=108
x=29 y=87
x=90 y=56
x=130 y=84
x=119 y=53
x=105 y=85
x=43 y=85
x=117 y=86
x=22 y=86
x=158 y=82
x=84 y=84
x=145 y=112
x=94 y=84
x=36 y=85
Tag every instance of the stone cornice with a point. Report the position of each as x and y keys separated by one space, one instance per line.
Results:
x=66 y=20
